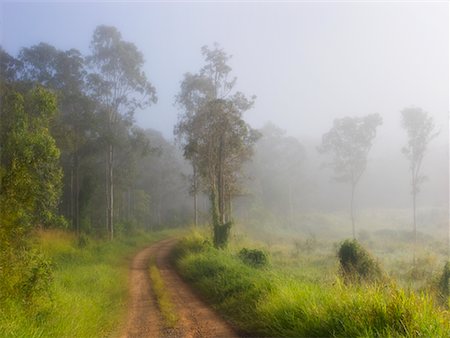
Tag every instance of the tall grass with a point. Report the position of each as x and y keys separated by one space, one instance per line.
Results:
x=268 y=302
x=88 y=292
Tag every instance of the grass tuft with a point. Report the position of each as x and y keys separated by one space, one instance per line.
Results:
x=162 y=297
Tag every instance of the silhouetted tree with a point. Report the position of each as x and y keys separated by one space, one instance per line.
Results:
x=420 y=130
x=349 y=142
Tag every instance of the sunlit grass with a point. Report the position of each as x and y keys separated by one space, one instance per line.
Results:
x=89 y=290
x=163 y=298
x=278 y=301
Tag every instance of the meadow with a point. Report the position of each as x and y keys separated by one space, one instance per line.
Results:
x=300 y=291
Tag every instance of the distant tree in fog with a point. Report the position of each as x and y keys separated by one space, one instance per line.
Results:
x=420 y=129
x=349 y=142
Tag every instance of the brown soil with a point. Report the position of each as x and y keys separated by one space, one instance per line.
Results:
x=196 y=319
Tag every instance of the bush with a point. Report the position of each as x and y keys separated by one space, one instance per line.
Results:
x=26 y=276
x=357 y=264
x=253 y=257
x=194 y=243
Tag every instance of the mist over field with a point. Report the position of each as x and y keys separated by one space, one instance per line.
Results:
x=288 y=160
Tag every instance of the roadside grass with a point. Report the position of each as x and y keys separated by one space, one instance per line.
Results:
x=162 y=297
x=89 y=287
x=272 y=302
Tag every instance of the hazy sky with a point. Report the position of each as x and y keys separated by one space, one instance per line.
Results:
x=307 y=62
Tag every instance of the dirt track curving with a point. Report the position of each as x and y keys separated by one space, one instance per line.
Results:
x=196 y=319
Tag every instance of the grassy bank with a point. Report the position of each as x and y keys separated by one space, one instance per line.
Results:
x=88 y=291
x=268 y=302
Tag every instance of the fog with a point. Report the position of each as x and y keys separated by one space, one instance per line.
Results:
x=308 y=64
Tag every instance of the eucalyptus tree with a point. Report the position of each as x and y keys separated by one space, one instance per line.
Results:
x=349 y=142
x=213 y=134
x=278 y=169
x=420 y=129
x=120 y=86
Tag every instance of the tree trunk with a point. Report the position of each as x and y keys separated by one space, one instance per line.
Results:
x=195 y=186
x=415 y=228
x=110 y=184
x=107 y=195
x=77 y=193
x=72 y=197
x=351 y=211
x=221 y=184
x=291 y=206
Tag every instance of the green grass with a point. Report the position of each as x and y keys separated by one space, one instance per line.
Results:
x=162 y=297
x=273 y=302
x=88 y=292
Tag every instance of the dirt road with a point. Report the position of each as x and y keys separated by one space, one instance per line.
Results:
x=196 y=319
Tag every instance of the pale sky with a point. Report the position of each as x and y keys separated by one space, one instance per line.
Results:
x=307 y=62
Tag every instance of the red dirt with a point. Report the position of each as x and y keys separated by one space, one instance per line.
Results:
x=196 y=319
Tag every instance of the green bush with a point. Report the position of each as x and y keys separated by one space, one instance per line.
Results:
x=357 y=264
x=253 y=257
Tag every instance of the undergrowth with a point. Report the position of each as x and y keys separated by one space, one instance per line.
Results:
x=266 y=302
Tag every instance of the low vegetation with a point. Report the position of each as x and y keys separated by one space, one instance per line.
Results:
x=162 y=297
x=357 y=264
x=85 y=291
x=268 y=302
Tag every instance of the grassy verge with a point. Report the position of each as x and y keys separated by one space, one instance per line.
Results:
x=88 y=292
x=162 y=297
x=267 y=302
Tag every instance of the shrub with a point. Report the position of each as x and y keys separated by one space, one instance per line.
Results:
x=194 y=243
x=26 y=276
x=253 y=257
x=357 y=264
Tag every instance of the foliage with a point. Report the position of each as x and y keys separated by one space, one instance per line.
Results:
x=349 y=142
x=420 y=130
x=119 y=86
x=269 y=303
x=214 y=136
x=356 y=263
x=254 y=257
x=30 y=176
x=277 y=171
